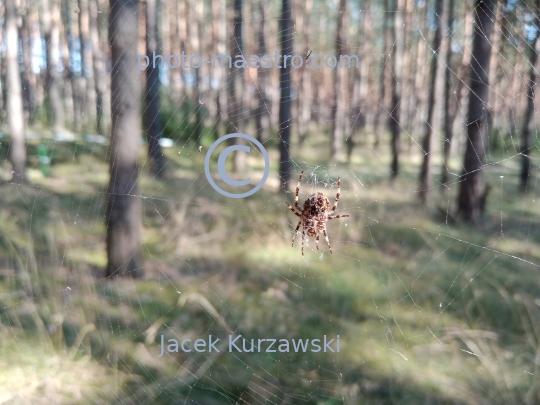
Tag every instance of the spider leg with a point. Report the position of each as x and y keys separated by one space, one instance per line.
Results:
x=337 y=195
x=293 y=210
x=297 y=190
x=303 y=238
x=338 y=216
x=296 y=230
x=327 y=241
x=317 y=241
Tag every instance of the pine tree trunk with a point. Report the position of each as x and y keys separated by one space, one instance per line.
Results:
x=262 y=115
x=405 y=85
x=285 y=118
x=87 y=85
x=471 y=186
x=366 y=68
x=221 y=72
x=423 y=186
x=450 y=103
x=306 y=87
x=152 y=124
x=526 y=140
x=337 y=116
x=98 y=64
x=235 y=99
x=420 y=103
x=123 y=201
x=70 y=31
x=397 y=59
x=51 y=30
x=463 y=76
x=194 y=19
x=30 y=80
x=385 y=78
x=17 y=149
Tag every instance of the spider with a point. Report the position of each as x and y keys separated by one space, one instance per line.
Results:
x=314 y=215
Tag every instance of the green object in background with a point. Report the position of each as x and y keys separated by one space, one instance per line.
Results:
x=44 y=160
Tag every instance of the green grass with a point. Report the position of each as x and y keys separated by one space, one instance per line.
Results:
x=428 y=311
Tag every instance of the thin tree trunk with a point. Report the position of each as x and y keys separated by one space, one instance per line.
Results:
x=70 y=31
x=420 y=103
x=518 y=72
x=98 y=64
x=123 y=203
x=221 y=72
x=262 y=115
x=87 y=91
x=450 y=103
x=285 y=118
x=152 y=125
x=526 y=140
x=51 y=30
x=500 y=81
x=3 y=78
x=195 y=11
x=397 y=59
x=17 y=151
x=337 y=116
x=406 y=96
x=366 y=66
x=463 y=81
x=306 y=85
x=428 y=125
x=471 y=186
x=235 y=100
x=30 y=80
x=497 y=42
x=384 y=77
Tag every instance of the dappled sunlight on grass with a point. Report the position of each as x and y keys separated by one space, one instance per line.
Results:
x=426 y=309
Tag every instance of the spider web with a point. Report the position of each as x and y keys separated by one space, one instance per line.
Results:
x=426 y=309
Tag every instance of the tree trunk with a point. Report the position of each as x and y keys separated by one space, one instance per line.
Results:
x=98 y=64
x=17 y=150
x=406 y=114
x=463 y=76
x=88 y=89
x=397 y=59
x=366 y=68
x=337 y=116
x=51 y=30
x=384 y=78
x=471 y=185
x=420 y=103
x=70 y=31
x=30 y=81
x=450 y=104
x=195 y=16
x=152 y=125
x=123 y=202
x=235 y=100
x=285 y=118
x=526 y=140
x=428 y=125
x=221 y=72
x=306 y=87
x=262 y=115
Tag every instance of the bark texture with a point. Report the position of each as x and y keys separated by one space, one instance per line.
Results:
x=471 y=185
x=123 y=201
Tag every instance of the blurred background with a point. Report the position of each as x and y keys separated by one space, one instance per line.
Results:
x=111 y=236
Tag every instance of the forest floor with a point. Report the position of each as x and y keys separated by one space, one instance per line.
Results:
x=428 y=310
